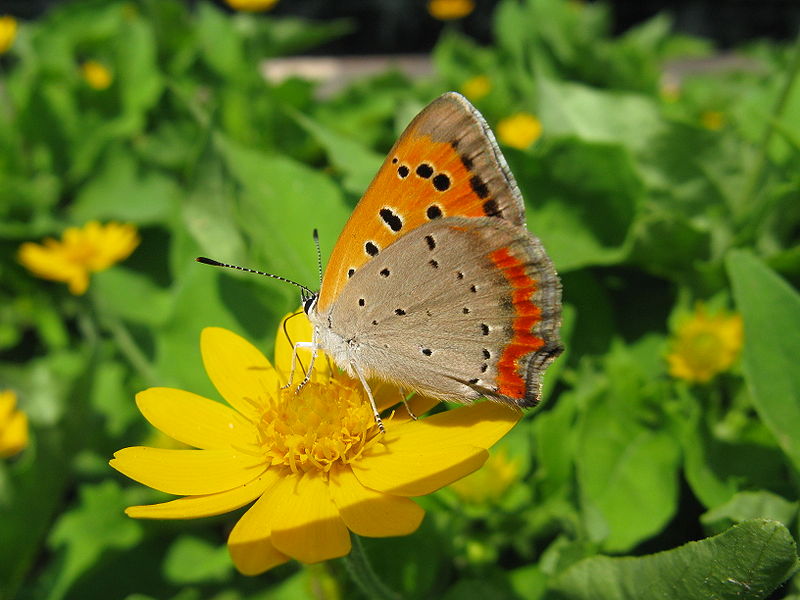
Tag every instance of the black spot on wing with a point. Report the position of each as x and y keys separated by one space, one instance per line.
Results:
x=424 y=170
x=491 y=209
x=441 y=182
x=479 y=187
x=393 y=221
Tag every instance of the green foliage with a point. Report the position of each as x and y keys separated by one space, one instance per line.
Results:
x=650 y=195
x=753 y=558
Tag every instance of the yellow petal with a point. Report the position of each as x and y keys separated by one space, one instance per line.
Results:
x=307 y=525
x=14 y=437
x=194 y=420
x=193 y=507
x=370 y=513
x=418 y=472
x=419 y=457
x=250 y=542
x=239 y=371
x=480 y=424
x=294 y=328
x=78 y=283
x=8 y=402
x=188 y=472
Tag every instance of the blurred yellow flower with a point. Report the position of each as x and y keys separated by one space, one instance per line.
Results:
x=81 y=250
x=705 y=345
x=96 y=75
x=519 y=130
x=251 y=5
x=476 y=87
x=13 y=425
x=449 y=10
x=314 y=461
x=712 y=120
x=489 y=484
x=8 y=31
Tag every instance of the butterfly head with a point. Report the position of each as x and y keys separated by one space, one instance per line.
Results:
x=309 y=300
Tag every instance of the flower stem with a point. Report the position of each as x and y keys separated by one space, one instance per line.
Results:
x=360 y=570
x=125 y=343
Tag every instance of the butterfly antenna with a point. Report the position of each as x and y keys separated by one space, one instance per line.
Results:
x=304 y=291
x=319 y=255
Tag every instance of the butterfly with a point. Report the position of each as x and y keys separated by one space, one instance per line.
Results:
x=435 y=284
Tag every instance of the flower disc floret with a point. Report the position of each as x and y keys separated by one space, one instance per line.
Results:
x=323 y=425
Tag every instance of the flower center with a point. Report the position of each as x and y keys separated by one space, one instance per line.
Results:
x=323 y=424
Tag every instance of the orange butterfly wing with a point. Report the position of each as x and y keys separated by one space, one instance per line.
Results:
x=445 y=164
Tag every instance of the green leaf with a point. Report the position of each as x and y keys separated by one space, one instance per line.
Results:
x=120 y=292
x=283 y=202
x=750 y=505
x=716 y=468
x=410 y=564
x=193 y=560
x=570 y=109
x=111 y=398
x=746 y=562
x=122 y=191
x=138 y=77
x=222 y=47
x=529 y=582
x=567 y=187
x=97 y=525
x=358 y=163
x=30 y=498
x=771 y=312
x=627 y=461
x=210 y=215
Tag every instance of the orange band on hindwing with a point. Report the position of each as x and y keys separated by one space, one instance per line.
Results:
x=526 y=314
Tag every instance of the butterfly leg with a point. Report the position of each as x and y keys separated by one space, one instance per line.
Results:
x=408 y=408
x=314 y=348
x=377 y=416
x=297 y=346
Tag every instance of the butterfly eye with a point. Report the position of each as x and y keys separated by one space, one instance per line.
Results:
x=309 y=303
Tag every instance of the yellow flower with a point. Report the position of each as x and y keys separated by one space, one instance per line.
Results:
x=96 y=75
x=13 y=425
x=314 y=461
x=705 y=345
x=8 y=31
x=251 y=5
x=519 y=130
x=94 y=247
x=712 y=120
x=448 y=10
x=476 y=87
x=490 y=484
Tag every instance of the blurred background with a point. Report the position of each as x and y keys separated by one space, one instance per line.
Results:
x=398 y=26
x=657 y=146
